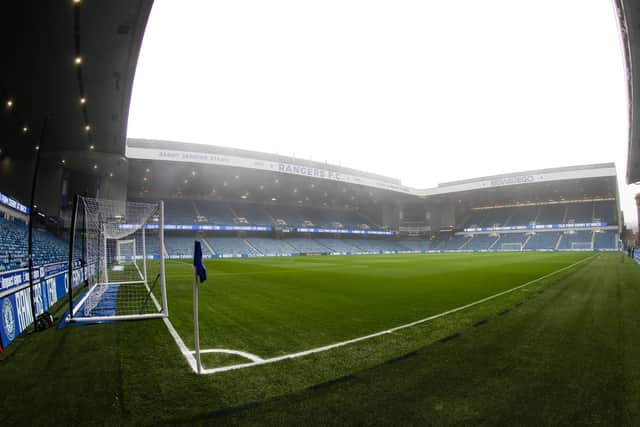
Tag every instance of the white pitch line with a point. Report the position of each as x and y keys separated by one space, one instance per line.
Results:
x=189 y=356
x=229 y=351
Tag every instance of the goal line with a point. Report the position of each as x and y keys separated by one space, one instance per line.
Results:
x=256 y=360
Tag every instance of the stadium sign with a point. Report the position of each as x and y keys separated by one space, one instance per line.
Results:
x=327 y=173
x=261 y=164
x=8 y=201
x=344 y=231
x=198 y=227
x=547 y=175
x=535 y=227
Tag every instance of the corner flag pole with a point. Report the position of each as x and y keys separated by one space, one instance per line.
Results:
x=198 y=273
x=196 y=327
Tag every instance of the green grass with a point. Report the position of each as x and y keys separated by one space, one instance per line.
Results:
x=566 y=352
x=275 y=306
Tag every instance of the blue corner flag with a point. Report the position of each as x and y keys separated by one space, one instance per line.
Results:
x=197 y=262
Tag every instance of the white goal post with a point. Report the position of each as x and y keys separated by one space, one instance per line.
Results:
x=511 y=247
x=121 y=247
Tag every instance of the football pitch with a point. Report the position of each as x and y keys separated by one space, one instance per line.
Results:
x=269 y=308
x=425 y=339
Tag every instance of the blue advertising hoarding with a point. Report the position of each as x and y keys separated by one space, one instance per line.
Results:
x=537 y=227
x=8 y=201
x=50 y=285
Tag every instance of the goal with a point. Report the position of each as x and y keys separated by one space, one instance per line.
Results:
x=119 y=247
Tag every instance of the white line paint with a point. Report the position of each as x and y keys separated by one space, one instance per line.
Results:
x=229 y=351
x=188 y=355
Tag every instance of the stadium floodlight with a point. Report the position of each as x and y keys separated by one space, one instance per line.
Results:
x=114 y=246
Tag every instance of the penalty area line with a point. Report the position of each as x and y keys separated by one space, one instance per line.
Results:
x=210 y=371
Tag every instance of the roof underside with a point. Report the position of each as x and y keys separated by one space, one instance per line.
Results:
x=629 y=22
x=40 y=41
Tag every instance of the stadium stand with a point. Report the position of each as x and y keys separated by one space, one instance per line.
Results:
x=542 y=241
x=231 y=246
x=572 y=240
x=579 y=213
x=417 y=245
x=305 y=245
x=290 y=215
x=253 y=214
x=182 y=245
x=605 y=212
x=214 y=212
x=455 y=243
x=268 y=246
x=179 y=212
x=605 y=240
x=338 y=245
x=495 y=217
x=13 y=246
x=377 y=246
x=523 y=215
x=481 y=242
x=510 y=241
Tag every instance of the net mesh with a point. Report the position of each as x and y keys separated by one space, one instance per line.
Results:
x=119 y=242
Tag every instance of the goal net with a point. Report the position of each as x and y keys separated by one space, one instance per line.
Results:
x=120 y=244
x=511 y=247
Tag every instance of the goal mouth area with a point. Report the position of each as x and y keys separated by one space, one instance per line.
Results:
x=105 y=302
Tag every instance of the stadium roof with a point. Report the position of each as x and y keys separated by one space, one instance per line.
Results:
x=152 y=149
x=629 y=21
x=215 y=156
x=72 y=61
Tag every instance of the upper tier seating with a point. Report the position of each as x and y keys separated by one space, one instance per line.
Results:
x=253 y=213
x=215 y=212
x=179 y=212
x=523 y=215
x=605 y=212
x=579 y=213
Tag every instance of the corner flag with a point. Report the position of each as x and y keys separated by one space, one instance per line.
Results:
x=197 y=262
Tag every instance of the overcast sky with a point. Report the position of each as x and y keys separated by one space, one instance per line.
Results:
x=424 y=91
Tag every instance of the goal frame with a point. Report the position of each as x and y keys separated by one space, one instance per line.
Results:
x=134 y=258
x=86 y=271
x=509 y=247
